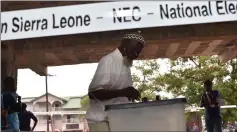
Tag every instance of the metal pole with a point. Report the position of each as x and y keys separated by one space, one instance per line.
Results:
x=47 y=101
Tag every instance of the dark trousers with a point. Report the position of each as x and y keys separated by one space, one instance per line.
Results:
x=25 y=129
x=213 y=124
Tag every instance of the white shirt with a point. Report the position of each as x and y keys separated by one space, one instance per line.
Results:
x=111 y=73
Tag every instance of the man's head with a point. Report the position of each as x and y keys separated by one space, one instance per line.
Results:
x=208 y=85
x=23 y=106
x=144 y=99
x=158 y=97
x=132 y=45
x=9 y=84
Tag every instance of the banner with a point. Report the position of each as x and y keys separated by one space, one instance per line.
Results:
x=109 y=16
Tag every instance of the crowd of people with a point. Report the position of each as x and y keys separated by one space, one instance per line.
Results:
x=14 y=116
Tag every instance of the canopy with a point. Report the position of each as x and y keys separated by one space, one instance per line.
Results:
x=101 y=28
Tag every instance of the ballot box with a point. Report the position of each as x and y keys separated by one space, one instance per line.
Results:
x=163 y=115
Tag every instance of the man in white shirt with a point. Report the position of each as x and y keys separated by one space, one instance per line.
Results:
x=112 y=82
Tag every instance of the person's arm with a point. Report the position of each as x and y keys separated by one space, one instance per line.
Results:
x=101 y=85
x=202 y=103
x=218 y=99
x=104 y=94
x=34 y=118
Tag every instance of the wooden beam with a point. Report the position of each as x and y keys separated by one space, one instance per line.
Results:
x=192 y=47
x=228 y=54
x=52 y=57
x=149 y=50
x=85 y=49
x=4 y=52
x=10 y=59
x=39 y=69
x=95 y=58
x=157 y=35
x=172 y=49
x=35 y=63
x=70 y=55
x=211 y=47
x=80 y=45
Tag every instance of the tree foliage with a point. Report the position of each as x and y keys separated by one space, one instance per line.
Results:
x=145 y=78
x=186 y=76
x=85 y=102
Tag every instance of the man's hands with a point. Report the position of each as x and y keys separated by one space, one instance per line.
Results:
x=131 y=93
x=103 y=94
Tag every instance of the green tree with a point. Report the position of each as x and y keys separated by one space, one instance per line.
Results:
x=186 y=77
x=145 y=79
x=85 y=102
x=145 y=82
x=188 y=74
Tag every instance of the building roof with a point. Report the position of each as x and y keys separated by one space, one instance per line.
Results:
x=204 y=39
x=28 y=99
x=73 y=102
x=49 y=95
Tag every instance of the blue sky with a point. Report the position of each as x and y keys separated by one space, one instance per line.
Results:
x=71 y=80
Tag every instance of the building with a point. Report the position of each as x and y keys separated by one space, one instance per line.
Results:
x=64 y=113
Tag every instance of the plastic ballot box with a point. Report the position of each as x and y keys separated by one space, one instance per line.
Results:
x=163 y=115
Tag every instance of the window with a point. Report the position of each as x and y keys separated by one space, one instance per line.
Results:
x=69 y=119
x=49 y=118
x=42 y=119
x=57 y=117
x=57 y=106
x=72 y=126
